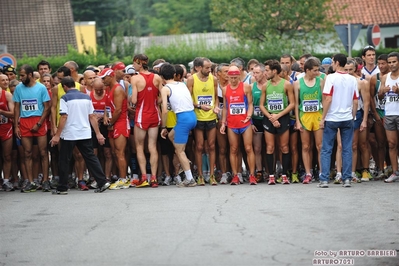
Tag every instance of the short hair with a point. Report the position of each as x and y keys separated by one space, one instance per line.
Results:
x=199 y=61
x=287 y=56
x=220 y=66
x=261 y=66
x=13 y=83
x=28 y=69
x=351 y=61
x=73 y=64
x=393 y=54
x=383 y=57
x=310 y=63
x=239 y=62
x=167 y=71
x=68 y=81
x=142 y=60
x=358 y=60
x=66 y=71
x=252 y=61
x=158 y=61
x=367 y=48
x=341 y=59
x=179 y=70
x=306 y=56
x=295 y=67
x=274 y=65
x=43 y=63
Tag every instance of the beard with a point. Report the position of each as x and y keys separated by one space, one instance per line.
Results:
x=26 y=82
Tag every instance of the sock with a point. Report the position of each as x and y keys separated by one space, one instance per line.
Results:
x=5 y=180
x=188 y=174
x=286 y=162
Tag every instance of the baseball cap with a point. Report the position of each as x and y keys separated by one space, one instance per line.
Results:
x=326 y=61
x=106 y=72
x=130 y=70
x=118 y=66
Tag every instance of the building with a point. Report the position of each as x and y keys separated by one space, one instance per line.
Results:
x=36 y=27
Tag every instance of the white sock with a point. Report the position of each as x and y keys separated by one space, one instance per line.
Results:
x=5 y=180
x=188 y=174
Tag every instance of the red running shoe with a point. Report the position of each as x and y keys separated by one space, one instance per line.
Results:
x=82 y=186
x=153 y=182
x=252 y=180
x=235 y=181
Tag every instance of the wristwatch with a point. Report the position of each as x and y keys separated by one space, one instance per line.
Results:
x=198 y=106
x=38 y=124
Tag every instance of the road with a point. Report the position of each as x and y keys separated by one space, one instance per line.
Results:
x=222 y=225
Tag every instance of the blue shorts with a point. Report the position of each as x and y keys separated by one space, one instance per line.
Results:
x=239 y=131
x=186 y=121
x=358 y=120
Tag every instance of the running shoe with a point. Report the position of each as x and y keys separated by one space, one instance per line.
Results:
x=366 y=176
x=235 y=180
x=347 y=183
x=46 y=186
x=82 y=185
x=307 y=179
x=223 y=180
x=154 y=182
x=271 y=180
x=240 y=178
x=212 y=180
x=30 y=187
x=285 y=180
x=279 y=180
x=134 y=182
x=252 y=180
x=259 y=176
x=323 y=184
x=142 y=183
x=7 y=186
x=200 y=181
x=167 y=181
x=187 y=183
x=57 y=192
x=294 y=178
x=103 y=188
x=338 y=179
x=392 y=178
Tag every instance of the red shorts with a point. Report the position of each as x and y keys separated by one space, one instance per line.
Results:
x=120 y=128
x=6 y=131
x=147 y=125
x=27 y=123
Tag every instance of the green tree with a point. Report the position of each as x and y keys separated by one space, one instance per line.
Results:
x=174 y=17
x=288 y=25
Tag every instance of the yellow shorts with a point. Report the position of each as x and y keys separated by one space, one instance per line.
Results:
x=310 y=121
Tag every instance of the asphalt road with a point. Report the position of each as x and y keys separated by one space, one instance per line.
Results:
x=224 y=225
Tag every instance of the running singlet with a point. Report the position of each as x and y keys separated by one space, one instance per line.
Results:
x=310 y=98
x=236 y=106
x=147 y=107
x=391 y=98
x=276 y=99
x=379 y=104
x=110 y=106
x=99 y=105
x=4 y=121
x=256 y=93
x=204 y=94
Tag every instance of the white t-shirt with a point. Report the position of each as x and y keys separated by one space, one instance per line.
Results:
x=391 y=98
x=343 y=89
x=78 y=107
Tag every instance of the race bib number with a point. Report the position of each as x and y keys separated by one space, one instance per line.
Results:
x=30 y=105
x=310 y=106
x=275 y=105
x=257 y=111
x=205 y=100
x=108 y=110
x=392 y=98
x=99 y=112
x=3 y=119
x=237 y=108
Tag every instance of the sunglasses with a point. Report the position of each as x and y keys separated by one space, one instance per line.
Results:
x=369 y=47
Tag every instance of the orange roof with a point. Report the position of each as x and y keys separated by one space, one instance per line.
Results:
x=368 y=12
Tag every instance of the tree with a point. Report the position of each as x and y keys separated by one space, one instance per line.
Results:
x=173 y=17
x=286 y=25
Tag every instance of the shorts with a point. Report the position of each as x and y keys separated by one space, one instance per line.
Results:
x=6 y=132
x=166 y=145
x=391 y=122
x=206 y=125
x=120 y=128
x=258 y=125
x=359 y=119
x=104 y=132
x=146 y=125
x=27 y=123
x=186 y=121
x=284 y=125
x=310 y=121
x=240 y=131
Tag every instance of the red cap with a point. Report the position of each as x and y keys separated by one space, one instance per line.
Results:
x=106 y=72
x=118 y=66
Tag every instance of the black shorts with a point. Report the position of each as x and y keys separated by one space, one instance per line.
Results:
x=104 y=131
x=258 y=123
x=167 y=147
x=284 y=125
x=206 y=125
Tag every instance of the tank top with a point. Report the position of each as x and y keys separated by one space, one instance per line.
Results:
x=379 y=104
x=276 y=99
x=237 y=106
x=4 y=106
x=256 y=93
x=110 y=106
x=99 y=105
x=391 y=98
x=179 y=101
x=310 y=98
x=147 y=100
x=204 y=93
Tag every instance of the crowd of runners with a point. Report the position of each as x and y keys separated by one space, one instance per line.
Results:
x=114 y=126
